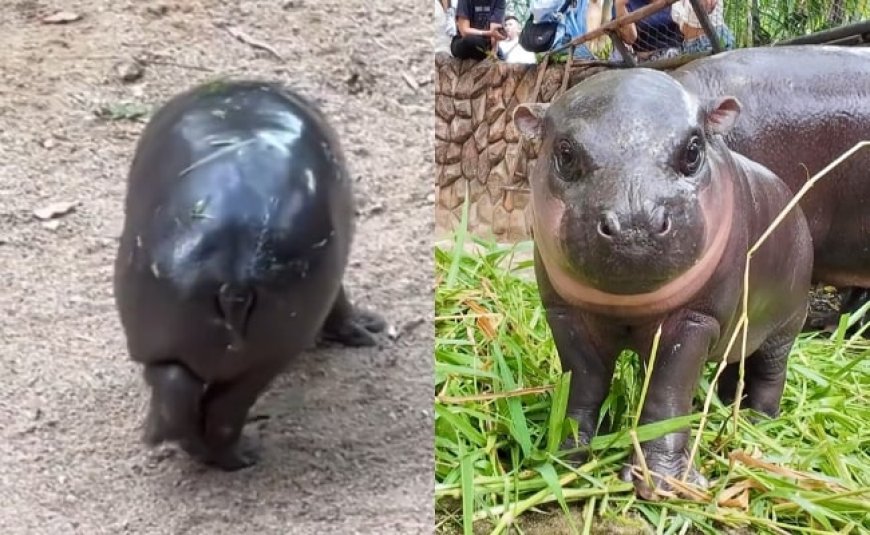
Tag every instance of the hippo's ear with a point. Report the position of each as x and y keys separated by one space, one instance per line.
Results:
x=529 y=119
x=722 y=114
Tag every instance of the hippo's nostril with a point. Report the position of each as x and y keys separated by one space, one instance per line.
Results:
x=608 y=225
x=660 y=221
x=666 y=226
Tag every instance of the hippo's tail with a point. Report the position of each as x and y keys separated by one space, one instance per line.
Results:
x=235 y=305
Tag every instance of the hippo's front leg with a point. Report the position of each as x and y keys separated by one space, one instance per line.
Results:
x=684 y=346
x=591 y=363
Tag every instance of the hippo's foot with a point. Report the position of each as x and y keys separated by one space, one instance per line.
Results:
x=586 y=422
x=205 y=420
x=237 y=456
x=358 y=330
x=226 y=406
x=662 y=466
x=174 y=411
x=581 y=455
x=240 y=455
x=351 y=326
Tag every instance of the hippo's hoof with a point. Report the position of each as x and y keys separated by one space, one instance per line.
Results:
x=372 y=321
x=358 y=330
x=158 y=431
x=575 y=457
x=242 y=455
x=153 y=433
x=660 y=466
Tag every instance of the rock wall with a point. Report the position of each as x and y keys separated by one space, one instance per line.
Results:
x=477 y=147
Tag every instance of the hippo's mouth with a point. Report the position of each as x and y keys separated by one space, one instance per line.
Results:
x=716 y=203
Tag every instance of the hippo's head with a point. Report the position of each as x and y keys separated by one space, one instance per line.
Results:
x=631 y=194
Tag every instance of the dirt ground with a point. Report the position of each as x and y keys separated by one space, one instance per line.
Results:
x=346 y=434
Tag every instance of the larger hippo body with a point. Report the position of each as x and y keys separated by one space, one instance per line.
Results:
x=239 y=217
x=802 y=107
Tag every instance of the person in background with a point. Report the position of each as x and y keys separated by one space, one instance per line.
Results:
x=582 y=18
x=694 y=38
x=656 y=36
x=479 y=25
x=628 y=33
x=510 y=50
x=449 y=7
x=445 y=24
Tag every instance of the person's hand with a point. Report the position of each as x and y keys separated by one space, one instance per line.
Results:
x=495 y=35
x=497 y=32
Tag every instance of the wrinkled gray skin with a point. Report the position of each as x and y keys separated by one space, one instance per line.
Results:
x=636 y=226
x=238 y=224
x=803 y=106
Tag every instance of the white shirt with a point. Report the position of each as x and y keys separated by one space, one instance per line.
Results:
x=514 y=53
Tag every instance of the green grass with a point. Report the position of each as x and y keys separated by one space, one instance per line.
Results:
x=762 y=22
x=499 y=419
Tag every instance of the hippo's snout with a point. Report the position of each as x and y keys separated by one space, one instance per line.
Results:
x=655 y=224
x=632 y=247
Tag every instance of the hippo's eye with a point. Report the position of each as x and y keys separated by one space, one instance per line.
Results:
x=565 y=159
x=693 y=156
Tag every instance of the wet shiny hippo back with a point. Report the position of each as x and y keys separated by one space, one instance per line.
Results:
x=642 y=218
x=803 y=106
x=238 y=225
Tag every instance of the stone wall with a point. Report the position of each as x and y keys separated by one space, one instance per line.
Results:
x=477 y=146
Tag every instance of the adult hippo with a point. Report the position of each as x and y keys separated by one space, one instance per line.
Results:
x=803 y=106
x=238 y=222
x=642 y=217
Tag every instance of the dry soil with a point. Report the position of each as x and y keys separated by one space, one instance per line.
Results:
x=346 y=434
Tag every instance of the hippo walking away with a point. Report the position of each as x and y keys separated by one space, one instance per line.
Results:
x=803 y=106
x=641 y=216
x=238 y=224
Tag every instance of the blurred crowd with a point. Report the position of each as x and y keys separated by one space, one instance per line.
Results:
x=515 y=31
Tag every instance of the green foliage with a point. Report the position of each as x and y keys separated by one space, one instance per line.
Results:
x=762 y=22
x=519 y=8
x=501 y=397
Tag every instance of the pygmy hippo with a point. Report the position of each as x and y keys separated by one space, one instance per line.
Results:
x=803 y=106
x=239 y=216
x=642 y=217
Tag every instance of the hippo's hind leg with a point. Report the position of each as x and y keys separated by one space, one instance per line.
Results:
x=764 y=374
x=174 y=412
x=351 y=326
x=225 y=409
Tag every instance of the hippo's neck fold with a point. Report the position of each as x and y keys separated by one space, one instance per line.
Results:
x=717 y=204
